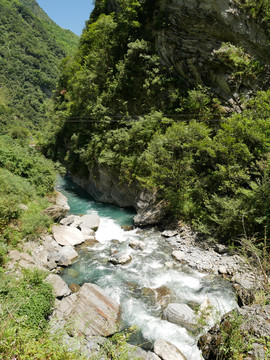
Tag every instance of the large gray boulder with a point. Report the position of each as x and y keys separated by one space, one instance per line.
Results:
x=88 y=224
x=180 y=314
x=167 y=351
x=67 y=235
x=60 y=288
x=90 y=312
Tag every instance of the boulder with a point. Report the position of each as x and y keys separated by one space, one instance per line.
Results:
x=169 y=233
x=180 y=314
x=137 y=244
x=60 y=288
x=164 y=295
x=74 y=288
x=167 y=351
x=89 y=224
x=60 y=208
x=127 y=227
x=120 y=258
x=66 y=235
x=70 y=220
x=63 y=256
x=90 y=312
x=178 y=255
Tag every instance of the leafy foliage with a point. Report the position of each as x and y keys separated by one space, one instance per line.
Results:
x=31 y=49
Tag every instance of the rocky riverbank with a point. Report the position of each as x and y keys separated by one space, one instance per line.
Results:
x=92 y=315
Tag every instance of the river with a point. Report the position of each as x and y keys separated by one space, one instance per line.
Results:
x=132 y=284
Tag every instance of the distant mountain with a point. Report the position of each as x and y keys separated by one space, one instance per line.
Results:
x=32 y=47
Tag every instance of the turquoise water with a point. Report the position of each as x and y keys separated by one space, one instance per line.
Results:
x=133 y=285
x=81 y=202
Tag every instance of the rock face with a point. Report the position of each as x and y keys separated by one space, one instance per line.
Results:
x=253 y=323
x=105 y=186
x=180 y=314
x=167 y=351
x=90 y=311
x=191 y=42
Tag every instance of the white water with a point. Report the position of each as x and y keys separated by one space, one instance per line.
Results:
x=126 y=283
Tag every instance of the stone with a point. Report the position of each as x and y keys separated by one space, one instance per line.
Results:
x=120 y=258
x=89 y=222
x=220 y=249
x=167 y=351
x=74 y=288
x=56 y=212
x=164 y=295
x=180 y=314
x=178 y=255
x=127 y=227
x=90 y=312
x=137 y=244
x=61 y=200
x=66 y=235
x=169 y=233
x=60 y=288
x=222 y=270
x=151 y=356
x=70 y=220
x=68 y=252
x=60 y=208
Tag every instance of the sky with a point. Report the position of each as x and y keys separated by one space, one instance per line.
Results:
x=69 y=14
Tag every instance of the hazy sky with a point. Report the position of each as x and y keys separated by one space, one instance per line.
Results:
x=69 y=14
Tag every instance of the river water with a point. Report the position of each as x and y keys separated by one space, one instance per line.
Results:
x=132 y=284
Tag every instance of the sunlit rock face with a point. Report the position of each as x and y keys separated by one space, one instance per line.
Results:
x=190 y=41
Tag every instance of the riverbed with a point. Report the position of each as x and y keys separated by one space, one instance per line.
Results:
x=149 y=281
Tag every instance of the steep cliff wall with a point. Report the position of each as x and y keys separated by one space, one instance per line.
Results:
x=191 y=42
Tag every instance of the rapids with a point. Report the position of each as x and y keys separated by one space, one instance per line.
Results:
x=132 y=284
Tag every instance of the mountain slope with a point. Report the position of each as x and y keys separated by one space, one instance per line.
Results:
x=166 y=98
x=31 y=50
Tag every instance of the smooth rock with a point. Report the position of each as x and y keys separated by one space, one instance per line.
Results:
x=167 y=351
x=180 y=314
x=60 y=288
x=137 y=244
x=90 y=311
x=66 y=235
x=120 y=258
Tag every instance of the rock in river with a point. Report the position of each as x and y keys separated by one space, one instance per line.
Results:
x=180 y=314
x=167 y=351
x=90 y=312
x=67 y=235
x=120 y=258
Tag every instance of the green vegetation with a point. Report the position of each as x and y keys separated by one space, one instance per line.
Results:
x=117 y=105
x=25 y=178
x=31 y=49
x=26 y=303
